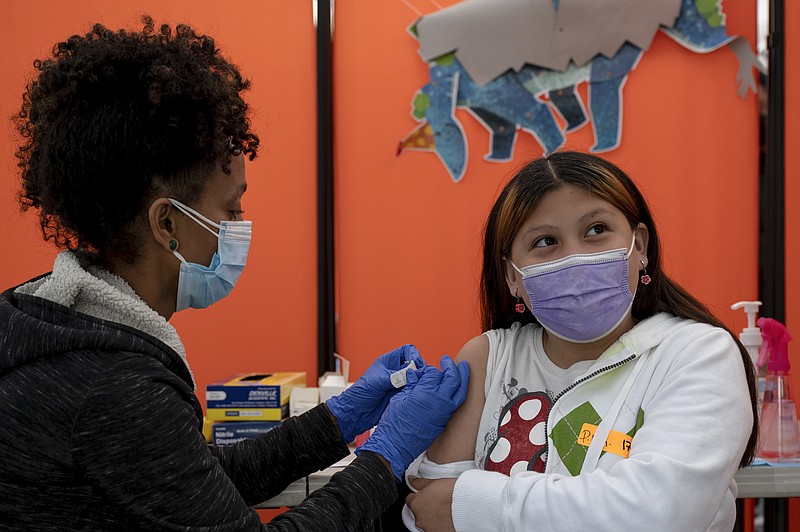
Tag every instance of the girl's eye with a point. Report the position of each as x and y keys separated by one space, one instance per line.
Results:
x=236 y=215
x=544 y=242
x=596 y=230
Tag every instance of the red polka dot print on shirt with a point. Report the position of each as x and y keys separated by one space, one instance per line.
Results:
x=521 y=437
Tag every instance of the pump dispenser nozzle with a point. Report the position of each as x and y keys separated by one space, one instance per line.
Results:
x=750 y=335
x=750 y=308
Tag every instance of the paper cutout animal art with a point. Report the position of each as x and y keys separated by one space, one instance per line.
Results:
x=513 y=63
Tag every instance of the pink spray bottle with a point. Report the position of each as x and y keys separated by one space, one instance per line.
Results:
x=779 y=435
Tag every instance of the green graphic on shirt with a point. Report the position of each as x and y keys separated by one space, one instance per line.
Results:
x=565 y=436
x=566 y=432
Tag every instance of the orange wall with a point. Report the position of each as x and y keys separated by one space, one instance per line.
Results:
x=408 y=239
x=269 y=322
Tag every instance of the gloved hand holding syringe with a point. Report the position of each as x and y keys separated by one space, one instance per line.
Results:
x=361 y=405
x=412 y=400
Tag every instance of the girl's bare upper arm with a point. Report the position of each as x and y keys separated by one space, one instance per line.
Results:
x=457 y=442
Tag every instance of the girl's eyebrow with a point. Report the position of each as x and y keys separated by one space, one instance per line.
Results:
x=593 y=214
x=541 y=227
x=551 y=228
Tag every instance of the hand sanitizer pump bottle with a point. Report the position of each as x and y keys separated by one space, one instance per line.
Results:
x=751 y=339
x=779 y=436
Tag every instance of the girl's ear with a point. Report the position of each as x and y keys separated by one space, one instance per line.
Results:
x=513 y=278
x=642 y=239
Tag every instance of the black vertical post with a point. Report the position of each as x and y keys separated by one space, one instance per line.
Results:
x=772 y=275
x=326 y=322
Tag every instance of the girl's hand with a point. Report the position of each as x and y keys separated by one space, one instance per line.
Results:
x=432 y=503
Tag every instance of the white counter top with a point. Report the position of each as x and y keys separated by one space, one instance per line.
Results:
x=768 y=481
x=754 y=482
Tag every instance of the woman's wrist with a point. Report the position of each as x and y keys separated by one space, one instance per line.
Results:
x=334 y=420
x=385 y=462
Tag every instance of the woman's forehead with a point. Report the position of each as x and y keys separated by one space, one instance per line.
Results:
x=224 y=186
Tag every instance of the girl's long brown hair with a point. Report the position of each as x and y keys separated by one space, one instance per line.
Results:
x=519 y=199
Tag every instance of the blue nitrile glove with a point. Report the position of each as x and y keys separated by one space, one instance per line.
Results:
x=360 y=406
x=416 y=417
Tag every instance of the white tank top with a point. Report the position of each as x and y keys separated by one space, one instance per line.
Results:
x=521 y=382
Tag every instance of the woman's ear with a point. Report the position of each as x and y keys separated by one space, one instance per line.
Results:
x=161 y=217
x=642 y=239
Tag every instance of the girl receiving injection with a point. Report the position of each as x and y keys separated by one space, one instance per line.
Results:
x=603 y=395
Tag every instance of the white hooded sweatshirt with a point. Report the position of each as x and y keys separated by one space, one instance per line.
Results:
x=647 y=437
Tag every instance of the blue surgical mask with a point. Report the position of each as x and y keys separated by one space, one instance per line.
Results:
x=580 y=298
x=200 y=286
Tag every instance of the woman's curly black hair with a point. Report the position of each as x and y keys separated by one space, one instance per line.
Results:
x=113 y=118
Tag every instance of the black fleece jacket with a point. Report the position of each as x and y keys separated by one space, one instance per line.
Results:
x=100 y=430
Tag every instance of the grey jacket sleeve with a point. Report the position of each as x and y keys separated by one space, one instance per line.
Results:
x=136 y=440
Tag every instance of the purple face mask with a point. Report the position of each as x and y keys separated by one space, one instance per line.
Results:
x=580 y=298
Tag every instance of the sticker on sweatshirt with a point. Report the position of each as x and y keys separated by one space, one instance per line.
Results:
x=616 y=442
x=570 y=440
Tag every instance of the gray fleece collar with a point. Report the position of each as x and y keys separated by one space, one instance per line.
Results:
x=97 y=292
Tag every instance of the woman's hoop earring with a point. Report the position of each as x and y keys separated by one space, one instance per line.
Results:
x=173 y=245
x=519 y=306
x=644 y=279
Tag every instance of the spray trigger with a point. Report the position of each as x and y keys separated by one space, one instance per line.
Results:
x=776 y=340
